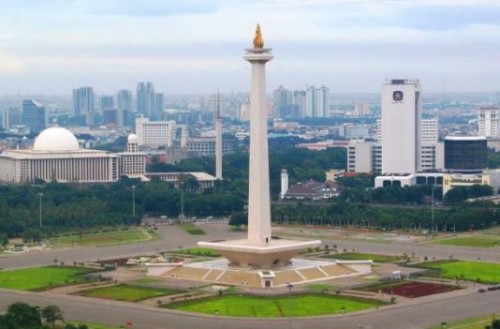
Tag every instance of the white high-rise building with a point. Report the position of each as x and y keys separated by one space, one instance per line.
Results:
x=489 y=121
x=317 y=102
x=284 y=183
x=401 y=126
x=154 y=133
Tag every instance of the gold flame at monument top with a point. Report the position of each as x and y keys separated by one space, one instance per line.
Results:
x=258 y=42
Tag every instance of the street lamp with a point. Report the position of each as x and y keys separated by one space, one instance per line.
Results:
x=289 y=286
x=40 y=194
x=133 y=201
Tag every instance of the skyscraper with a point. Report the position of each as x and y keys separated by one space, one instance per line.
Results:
x=158 y=105
x=145 y=98
x=124 y=108
x=282 y=101
x=401 y=126
x=83 y=104
x=489 y=121
x=106 y=102
x=317 y=102
x=34 y=116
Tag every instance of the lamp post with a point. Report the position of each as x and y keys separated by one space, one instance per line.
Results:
x=289 y=286
x=133 y=201
x=40 y=194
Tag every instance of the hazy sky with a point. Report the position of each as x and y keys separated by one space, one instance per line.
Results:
x=196 y=46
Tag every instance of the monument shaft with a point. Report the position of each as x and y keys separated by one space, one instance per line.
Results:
x=259 y=208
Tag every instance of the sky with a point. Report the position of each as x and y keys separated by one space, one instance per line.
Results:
x=196 y=46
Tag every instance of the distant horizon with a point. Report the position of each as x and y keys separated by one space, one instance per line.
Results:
x=196 y=46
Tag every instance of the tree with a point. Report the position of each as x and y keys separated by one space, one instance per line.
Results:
x=238 y=219
x=495 y=324
x=21 y=316
x=51 y=314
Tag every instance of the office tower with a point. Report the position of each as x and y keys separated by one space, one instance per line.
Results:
x=106 y=102
x=489 y=121
x=432 y=152
x=465 y=154
x=401 y=126
x=124 y=107
x=154 y=133
x=83 y=104
x=145 y=98
x=34 y=116
x=361 y=109
x=158 y=105
x=6 y=119
x=299 y=100
x=282 y=102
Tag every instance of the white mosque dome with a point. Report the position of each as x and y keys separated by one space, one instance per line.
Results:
x=132 y=138
x=56 y=139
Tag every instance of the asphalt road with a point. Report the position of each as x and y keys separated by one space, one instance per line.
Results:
x=406 y=315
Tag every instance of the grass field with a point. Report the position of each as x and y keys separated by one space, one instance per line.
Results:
x=91 y=325
x=106 y=238
x=465 y=270
x=192 y=229
x=474 y=323
x=484 y=241
x=128 y=293
x=198 y=252
x=41 y=278
x=281 y=306
x=362 y=256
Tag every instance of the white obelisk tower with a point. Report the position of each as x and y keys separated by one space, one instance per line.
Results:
x=259 y=207
x=218 y=141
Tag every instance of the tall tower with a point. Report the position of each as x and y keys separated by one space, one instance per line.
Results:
x=83 y=104
x=401 y=126
x=145 y=98
x=218 y=141
x=284 y=183
x=259 y=208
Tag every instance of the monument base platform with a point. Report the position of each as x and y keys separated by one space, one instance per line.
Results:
x=249 y=254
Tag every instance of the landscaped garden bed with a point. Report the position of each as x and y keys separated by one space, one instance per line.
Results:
x=275 y=306
x=410 y=289
x=126 y=292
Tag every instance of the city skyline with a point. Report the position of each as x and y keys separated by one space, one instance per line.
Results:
x=194 y=47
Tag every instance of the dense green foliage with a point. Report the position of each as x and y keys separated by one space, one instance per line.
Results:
x=24 y=316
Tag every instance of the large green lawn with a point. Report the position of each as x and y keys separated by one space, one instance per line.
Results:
x=471 y=241
x=40 y=278
x=377 y=258
x=281 y=306
x=105 y=238
x=465 y=270
x=129 y=293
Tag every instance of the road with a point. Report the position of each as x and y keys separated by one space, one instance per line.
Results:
x=406 y=315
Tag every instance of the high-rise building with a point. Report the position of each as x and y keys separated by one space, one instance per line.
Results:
x=282 y=102
x=401 y=126
x=361 y=109
x=489 y=121
x=106 y=102
x=158 y=105
x=124 y=107
x=154 y=133
x=34 y=116
x=145 y=98
x=83 y=104
x=299 y=100
x=6 y=119
x=317 y=102
x=465 y=154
